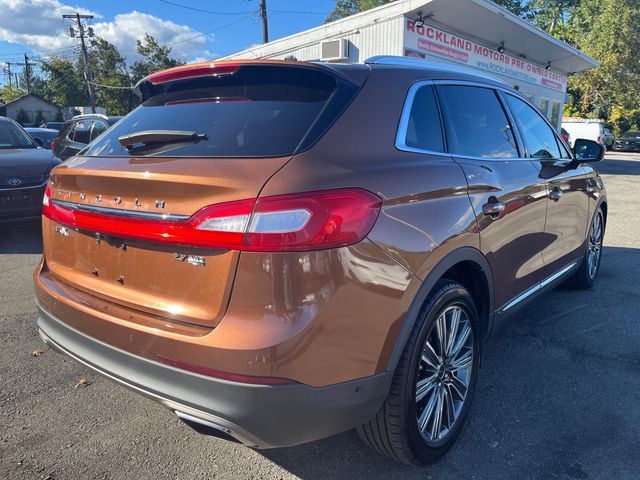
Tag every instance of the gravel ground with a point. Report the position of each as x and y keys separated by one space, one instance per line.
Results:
x=557 y=397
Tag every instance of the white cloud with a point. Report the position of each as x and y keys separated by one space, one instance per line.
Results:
x=36 y=23
x=126 y=28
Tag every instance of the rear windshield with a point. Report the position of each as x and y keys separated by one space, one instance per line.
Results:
x=258 y=111
x=12 y=136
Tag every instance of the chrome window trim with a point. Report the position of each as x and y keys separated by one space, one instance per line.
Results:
x=403 y=125
x=408 y=103
x=118 y=212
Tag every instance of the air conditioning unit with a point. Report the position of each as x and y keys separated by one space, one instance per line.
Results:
x=334 y=50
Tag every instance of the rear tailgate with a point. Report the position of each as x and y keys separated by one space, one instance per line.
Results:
x=155 y=278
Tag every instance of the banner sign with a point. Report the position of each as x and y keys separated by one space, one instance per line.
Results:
x=419 y=41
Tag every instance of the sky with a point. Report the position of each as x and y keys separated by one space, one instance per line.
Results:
x=207 y=29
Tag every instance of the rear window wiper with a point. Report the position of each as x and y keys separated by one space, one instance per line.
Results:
x=154 y=138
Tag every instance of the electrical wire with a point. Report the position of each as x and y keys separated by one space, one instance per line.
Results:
x=187 y=7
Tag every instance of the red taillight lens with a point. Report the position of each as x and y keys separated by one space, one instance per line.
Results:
x=190 y=71
x=53 y=144
x=46 y=199
x=298 y=222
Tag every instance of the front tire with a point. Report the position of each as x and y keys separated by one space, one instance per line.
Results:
x=586 y=275
x=433 y=385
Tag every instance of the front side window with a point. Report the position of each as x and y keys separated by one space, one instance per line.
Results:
x=537 y=134
x=476 y=123
x=423 y=130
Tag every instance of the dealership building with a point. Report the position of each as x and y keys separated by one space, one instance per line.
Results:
x=476 y=33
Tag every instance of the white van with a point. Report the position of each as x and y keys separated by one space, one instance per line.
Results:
x=591 y=129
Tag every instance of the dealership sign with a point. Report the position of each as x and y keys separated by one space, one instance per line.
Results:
x=428 y=40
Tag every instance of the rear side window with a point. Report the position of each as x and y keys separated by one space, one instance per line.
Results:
x=476 y=123
x=258 y=111
x=536 y=133
x=423 y=129
x=97 y=129
x=81 y=131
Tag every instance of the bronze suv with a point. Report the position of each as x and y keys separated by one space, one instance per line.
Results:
x=280 y=251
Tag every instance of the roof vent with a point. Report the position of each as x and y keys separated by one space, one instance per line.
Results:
x=334 y=50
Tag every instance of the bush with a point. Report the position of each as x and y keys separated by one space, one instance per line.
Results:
x=39 y=118
x=23 y=117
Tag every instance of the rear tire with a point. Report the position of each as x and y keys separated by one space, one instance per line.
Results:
x=433 y=383
x=586 y=275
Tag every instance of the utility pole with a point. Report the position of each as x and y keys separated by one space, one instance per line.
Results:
x=27 y=73
x=87 y=71
x=7 y=72
x=265 y=25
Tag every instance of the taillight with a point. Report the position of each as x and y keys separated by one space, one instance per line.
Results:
x=192 y=71
x=53 y=144
x=297 y=222
x=46 y=199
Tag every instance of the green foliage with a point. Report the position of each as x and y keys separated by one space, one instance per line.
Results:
x=58 y=117
x=23 y=117
x=64 y=85
x=155 y=57
x=9 y=93
x=109 y=68
x=609 y=31
x=344 y=8
x=39 y=118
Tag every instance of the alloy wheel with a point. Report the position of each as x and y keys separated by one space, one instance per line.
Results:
x=444 y=373
x=595 y=246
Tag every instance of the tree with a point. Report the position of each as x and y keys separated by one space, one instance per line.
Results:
x=345 y=8
x=65 y=84
x=609 y=31
x=39 y=118
x=154 y=57
x=110 y=73
x=518 y=7
x=23 y=117
x=9 y=93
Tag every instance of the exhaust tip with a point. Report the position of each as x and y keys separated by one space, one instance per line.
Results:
x=207 y=427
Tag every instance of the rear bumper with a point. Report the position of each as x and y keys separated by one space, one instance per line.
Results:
x=257 y=415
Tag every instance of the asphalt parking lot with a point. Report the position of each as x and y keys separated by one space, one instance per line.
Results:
x=558 y=395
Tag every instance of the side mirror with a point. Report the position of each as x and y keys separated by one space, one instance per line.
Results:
x=39 y=141
x=587 y=150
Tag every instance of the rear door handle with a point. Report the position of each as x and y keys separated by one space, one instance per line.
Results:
x=556 y=194
x=493 y=208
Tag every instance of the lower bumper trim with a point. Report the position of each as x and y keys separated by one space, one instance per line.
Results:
x=261 y=416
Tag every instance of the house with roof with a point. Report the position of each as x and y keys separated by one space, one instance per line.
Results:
x=31 y=103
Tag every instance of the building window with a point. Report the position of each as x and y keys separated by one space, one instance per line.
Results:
x=544 y=106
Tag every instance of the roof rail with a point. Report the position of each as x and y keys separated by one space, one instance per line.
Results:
x=87 y=115
x=429 y=64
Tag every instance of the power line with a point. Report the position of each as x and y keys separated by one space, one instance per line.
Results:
x=187 y=7
x=111 y=86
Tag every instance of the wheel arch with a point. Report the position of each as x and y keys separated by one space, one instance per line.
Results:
x=466 y=265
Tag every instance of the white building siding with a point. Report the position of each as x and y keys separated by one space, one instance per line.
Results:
x=384 y=37
x=31 y=105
